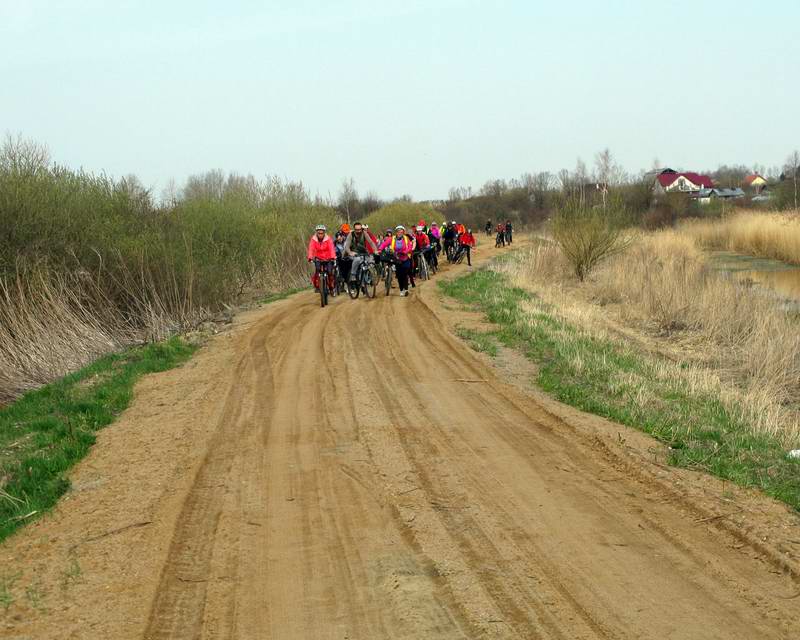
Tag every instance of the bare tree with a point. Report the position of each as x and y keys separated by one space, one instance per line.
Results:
x=458 y=194
x=564 y=179
x=792 y=169
x=24 y=156
x=537 y=186
x=348 y=198
x=169 y=194
x=495 y=188
x=138 y=195
x=608 y=173
x=206 y=185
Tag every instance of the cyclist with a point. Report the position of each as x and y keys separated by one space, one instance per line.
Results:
x=401 y=247
x=422 y=243
x=434 y=238
x=501 y=235
x=370 y=234
x=344 y=264
x=321 y=248
x=488 y=227
x=509 y=230
x=358 y=246
x=466 y=241
x=449 y=238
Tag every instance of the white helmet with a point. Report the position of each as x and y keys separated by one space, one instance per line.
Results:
x=399 y=227
x=321 y=227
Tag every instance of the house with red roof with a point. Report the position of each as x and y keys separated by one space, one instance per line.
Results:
x=670 y=180
x=755 y=182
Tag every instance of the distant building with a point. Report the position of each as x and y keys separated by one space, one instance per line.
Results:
x=755 y=183
x=704 y=196
x=669 y=180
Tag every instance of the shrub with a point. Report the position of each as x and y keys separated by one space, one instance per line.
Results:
x=401 y=212
x=95 y=264
x=589 y=235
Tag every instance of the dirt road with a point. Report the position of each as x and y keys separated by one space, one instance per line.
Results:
x=356 y=472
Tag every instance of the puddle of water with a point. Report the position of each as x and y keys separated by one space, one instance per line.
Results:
x=782 y=278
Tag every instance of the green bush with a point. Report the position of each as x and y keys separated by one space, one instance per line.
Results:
x=118 y=267
x=401 y=212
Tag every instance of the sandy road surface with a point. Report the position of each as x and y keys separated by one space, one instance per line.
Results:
x=356 y=472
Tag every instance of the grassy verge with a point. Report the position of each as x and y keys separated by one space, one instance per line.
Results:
x=48 y=430
x=281 y=295
x=483 y=342
x=612 y=380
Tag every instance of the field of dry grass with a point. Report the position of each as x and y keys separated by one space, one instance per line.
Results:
x=720 y=338
x=765 y=235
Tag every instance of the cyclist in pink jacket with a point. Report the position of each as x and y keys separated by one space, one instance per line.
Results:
x=401 y=247
x=322 y=249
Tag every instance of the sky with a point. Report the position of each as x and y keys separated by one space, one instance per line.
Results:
x=403 y=96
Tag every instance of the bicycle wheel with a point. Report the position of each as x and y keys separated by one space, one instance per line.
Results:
x=355 y=288
x=424 y=273
x=370 y=282
x=388 y=278
x=323 y=287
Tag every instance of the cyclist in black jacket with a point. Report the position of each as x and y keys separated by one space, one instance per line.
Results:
x=449 y=236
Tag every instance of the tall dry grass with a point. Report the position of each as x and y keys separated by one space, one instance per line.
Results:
x=48 y=328
x=89 y=264
x=765 y=235
x=738 y=343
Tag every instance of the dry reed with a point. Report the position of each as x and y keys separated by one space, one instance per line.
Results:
x=766 y=235
x=737 y=342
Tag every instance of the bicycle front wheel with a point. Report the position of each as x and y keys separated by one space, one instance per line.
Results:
x=354 y=288
x=424 y=274
x=323 y=288
x=388 y=278
x=370 y=282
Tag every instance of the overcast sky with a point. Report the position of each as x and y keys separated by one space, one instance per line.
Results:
x=405 y=96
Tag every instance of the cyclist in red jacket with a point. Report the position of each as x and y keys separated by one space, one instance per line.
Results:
x=466 y=242
x=322 y=249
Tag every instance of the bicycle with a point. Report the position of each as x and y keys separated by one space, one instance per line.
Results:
x=387 y=264
x=323 y=269
x=366 y=279
x=422 y=265
x=449 y=249
x=430 y=257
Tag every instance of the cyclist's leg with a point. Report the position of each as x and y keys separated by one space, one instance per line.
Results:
x=344 y=269
x=403 y=271
x=468 y=249
x=330 y=275
x=355 y=268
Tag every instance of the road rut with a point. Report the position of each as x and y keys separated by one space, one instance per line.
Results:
x=359 y=473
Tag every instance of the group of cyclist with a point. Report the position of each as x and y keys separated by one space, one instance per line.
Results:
x=504 y=231
x=410 y=252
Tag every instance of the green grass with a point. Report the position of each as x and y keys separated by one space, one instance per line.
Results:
x=612 y=380
x=281 y=295
x=483 y=342
x=48 y=430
